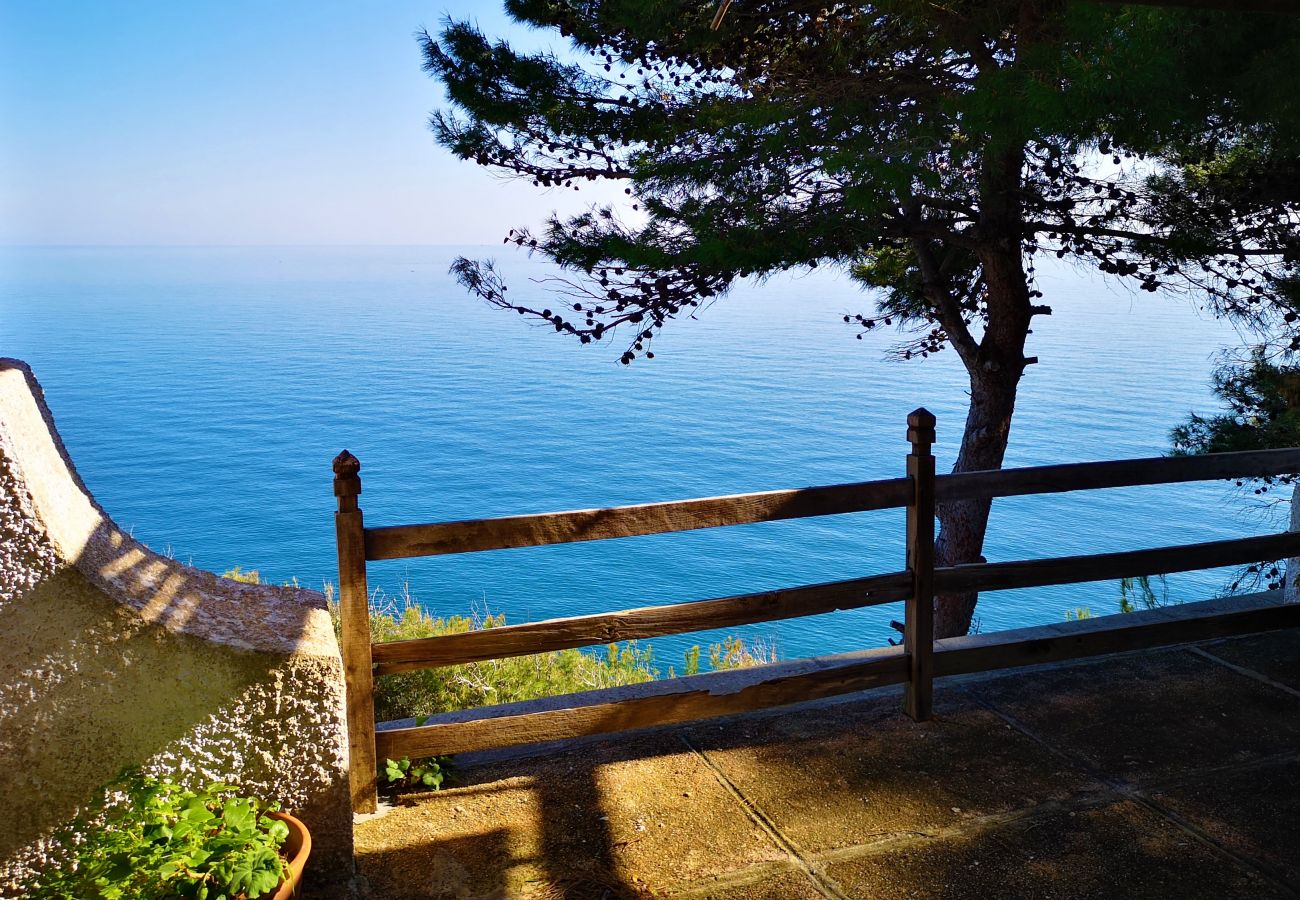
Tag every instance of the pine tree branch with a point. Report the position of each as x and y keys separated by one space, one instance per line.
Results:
x=938 y=291
x=1153 y=238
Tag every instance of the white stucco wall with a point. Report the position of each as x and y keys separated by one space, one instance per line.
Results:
x=114 y=655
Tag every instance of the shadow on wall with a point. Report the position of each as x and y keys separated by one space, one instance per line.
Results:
x=116 y=656
x=88 y=687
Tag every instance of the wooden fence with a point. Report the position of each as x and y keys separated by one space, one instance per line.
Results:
x=916 y=664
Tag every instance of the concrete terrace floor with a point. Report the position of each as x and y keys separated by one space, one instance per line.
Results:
x=1166 y=773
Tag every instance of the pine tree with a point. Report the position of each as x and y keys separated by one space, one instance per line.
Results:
x=932 y=150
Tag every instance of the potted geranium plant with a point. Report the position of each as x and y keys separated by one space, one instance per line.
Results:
x=147 y=838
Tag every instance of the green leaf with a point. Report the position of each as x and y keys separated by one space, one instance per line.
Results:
x=277 y=830
x=254 y=873
x=238 y=814
x=163 y=842
x=195 y=810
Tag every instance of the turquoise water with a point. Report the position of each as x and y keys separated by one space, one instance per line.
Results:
x=204 y=391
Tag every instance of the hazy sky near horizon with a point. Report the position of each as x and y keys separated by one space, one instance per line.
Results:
x=241 y=123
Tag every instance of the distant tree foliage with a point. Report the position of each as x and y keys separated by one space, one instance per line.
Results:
x=1263 y=400
x=933 y=150
x=1263 y=413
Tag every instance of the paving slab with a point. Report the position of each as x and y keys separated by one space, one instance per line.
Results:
x=617 y=818
x=882 y=774
x=1148 y=717
x=1120 y=850
x=1275 y=656
x=1153 y=775
x=787 y=883
x=1254 y=811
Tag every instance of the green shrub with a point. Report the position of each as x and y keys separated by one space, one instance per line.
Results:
x=1138 y=593
x=430 y=691
x=425 y=774
x=149 y=839
x=734 y=653
x=426 y=692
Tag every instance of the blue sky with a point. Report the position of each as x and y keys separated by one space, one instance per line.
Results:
x=240 y=123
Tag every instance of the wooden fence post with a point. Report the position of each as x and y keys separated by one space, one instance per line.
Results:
x=918 y=629
x=354 y=613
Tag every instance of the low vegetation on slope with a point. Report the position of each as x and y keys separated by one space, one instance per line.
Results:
x=430 y=691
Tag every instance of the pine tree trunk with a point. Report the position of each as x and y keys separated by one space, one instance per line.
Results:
x=962 y=524
x=994 y=367
x=994 y=377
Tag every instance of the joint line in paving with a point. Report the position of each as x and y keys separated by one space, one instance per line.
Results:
x=1125 y=791
x=825 y=886
x=1242 y=670
x=978 y=826
x=1191 y=775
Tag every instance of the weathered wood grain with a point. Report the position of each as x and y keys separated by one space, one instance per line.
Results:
x=918 y=620
x=714 y=695
x=680 y=700
x=1105 y=566
x=1116 y=473
x=473 y=535
x=1115 y=636
x=354 y=643
x=634 y=624
x=726 y=693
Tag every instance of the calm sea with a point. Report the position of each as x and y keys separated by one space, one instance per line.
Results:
x=204 y=391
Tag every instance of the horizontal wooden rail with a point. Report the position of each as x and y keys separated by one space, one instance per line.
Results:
x=726 y=693
x=1105 y=566
x=679 y=700
x=952 y=658
x=633 y=624
x=1116 y=473
x=767 y=606
x=473 y=535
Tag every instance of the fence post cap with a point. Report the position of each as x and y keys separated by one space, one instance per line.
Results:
x=920 y=427
x=347 y=483
x=346 y=464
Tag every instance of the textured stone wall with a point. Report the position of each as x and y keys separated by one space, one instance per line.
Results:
x=114 y=655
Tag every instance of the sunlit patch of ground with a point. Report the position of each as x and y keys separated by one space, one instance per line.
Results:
x=1170 y=773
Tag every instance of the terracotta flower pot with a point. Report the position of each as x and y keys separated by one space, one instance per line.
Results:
x=297 y=847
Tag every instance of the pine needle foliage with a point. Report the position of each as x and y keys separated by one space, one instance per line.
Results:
x=934 y=151
x=900 y=140
x=1262 y=397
